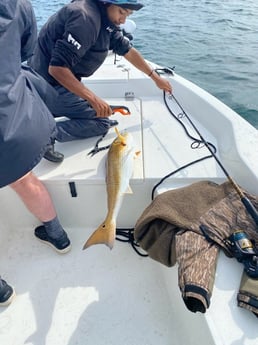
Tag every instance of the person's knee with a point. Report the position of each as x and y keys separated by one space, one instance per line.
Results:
x=75 y=129
x=22 y=182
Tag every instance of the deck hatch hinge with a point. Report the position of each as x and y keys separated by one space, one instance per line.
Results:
x=129 y=95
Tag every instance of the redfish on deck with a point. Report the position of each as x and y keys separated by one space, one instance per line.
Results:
x=119 y=170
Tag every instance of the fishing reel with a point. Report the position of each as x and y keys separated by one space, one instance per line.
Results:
x=244 y=250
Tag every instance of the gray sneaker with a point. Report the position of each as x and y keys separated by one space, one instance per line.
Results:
x=62 y=244
x=7 y=293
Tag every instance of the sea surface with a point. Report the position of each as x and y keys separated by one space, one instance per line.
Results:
x=213 y=43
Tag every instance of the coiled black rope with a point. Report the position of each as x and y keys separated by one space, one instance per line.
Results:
x=128 y=236
x=196 y=144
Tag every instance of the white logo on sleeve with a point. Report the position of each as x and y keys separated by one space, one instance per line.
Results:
x=70 y=39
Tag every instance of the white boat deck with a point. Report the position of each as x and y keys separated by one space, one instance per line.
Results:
x=103 y=297
x=93 y=297
x=146 y=123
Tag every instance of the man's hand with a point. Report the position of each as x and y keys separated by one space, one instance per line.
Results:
x=161 y=83
x=101 y=107
x=66 y=78
x=138 y=61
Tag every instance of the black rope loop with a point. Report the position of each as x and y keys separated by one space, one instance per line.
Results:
x=196 y=144
x=128 y=236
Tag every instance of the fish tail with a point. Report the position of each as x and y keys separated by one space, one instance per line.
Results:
x=104 y=234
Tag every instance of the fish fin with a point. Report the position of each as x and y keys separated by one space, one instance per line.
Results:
x=104 y=234
x=120 y=136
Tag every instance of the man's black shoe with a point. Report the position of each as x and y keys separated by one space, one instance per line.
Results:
x=62 y=244
x=52 y=155
x=7 y=293
x=113 y=123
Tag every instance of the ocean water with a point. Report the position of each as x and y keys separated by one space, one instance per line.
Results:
x=213 y=43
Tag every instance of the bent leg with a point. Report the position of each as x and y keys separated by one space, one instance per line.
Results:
x=82 y=121
x=76 y=129
x=38 y=201
x=35 y=196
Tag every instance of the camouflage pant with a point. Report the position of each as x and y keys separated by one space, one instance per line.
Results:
x=169 y=230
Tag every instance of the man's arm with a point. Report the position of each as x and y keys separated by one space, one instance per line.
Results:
x=135 y=58
x=66 y=78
